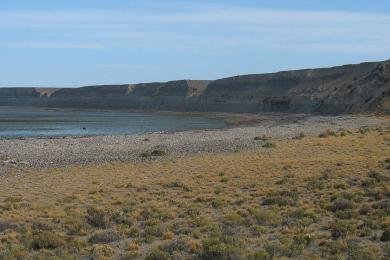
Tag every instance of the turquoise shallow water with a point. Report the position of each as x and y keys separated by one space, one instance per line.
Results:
x=34 y=122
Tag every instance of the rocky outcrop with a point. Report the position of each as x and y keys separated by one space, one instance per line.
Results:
x=344 y=89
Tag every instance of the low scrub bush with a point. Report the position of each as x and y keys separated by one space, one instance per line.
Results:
x=47 y=240
x=266 y=217
x=104 y=237
x=342 y=229
x=261 y=138
x=158 y=254
x=300 y=136
x=217 y=249
x=327 y=133
x=155 y=153
x=98 y=217
x=341 y=204
x=269 y=145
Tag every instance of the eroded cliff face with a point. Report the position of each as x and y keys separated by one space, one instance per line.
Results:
x=344 y=89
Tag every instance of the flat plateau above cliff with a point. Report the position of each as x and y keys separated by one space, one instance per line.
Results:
x=344 y=89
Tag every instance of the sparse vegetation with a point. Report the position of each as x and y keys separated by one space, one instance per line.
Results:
x=309 y=199
x=261 y=138
x=46 y=240
x=269 y=145
x=327 y=133
x=300 y=136
x=155 y=153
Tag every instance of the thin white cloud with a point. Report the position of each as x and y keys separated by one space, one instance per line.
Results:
x=206 y=28
x=51 y=45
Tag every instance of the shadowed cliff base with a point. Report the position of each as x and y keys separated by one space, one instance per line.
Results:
x=345 y=89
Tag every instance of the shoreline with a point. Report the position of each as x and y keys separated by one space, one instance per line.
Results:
x=20 y=155
x=230 y=120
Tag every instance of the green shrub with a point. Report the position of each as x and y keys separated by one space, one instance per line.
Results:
x=76 y=226
x=298 y=244
x=266 y=217
x=333 y=247
x=342 y=229
x=13 y=200
x=261 y=255
x=316 y=183
x=232 y=219
x=300 y=136
x=224 y=179
x=179 y=243
x=346 y=214
x=218 y=203
x=383 y=204
x=157 y=254
x=363 y=252
x=301 y=218
x=281 y=198
x=14 y=253
x=269 y=145
x=47 y=240
x=102 y=252
x=154 y=230
x=215 y=249
x=178 y=185
x=98 y=217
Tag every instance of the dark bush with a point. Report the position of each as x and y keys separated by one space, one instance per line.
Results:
x=342 y=229
x=269 y=145
x=4 y=225
x=364 y=210
x=155 y=153
x=261 y=138
x=47 y=240
x=178 y=185
x=377 y=176
x=385 y=235
x=383 y=204
x=104 y=237
x=341 y=204
x=158 y=153
x=280 y=201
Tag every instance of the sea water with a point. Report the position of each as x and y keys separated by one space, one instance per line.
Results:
x=39 y=122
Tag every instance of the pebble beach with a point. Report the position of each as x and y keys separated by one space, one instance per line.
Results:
x=17 y=155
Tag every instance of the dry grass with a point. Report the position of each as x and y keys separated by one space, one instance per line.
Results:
x=305 y=198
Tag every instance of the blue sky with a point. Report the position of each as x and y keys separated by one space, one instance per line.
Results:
x=57 y=43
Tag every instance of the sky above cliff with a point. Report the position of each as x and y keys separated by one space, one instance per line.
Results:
x=72 y=43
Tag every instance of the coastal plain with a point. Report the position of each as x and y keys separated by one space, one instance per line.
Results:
x=313 y=187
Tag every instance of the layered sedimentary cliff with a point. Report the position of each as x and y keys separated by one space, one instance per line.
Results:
x=344 y=89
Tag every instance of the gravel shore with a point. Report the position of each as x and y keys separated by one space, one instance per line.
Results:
x=44 y=153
